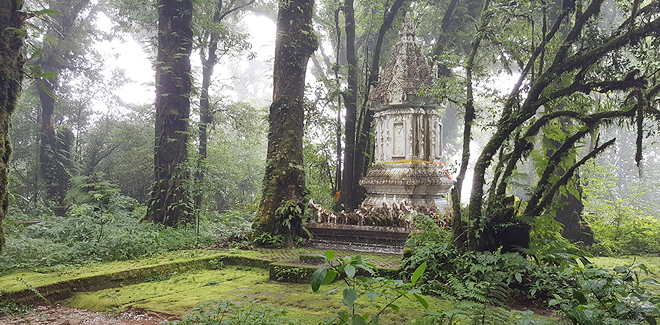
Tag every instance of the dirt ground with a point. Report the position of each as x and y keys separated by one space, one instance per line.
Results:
x=60 y=315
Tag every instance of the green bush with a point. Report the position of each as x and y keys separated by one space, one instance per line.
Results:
x=610 y=297
x=625 y=235
x=621 y=222
x=430 y=232
x=89 y=235
x=479 y=314
x=488 y=277
x=358 y=277
x=232 y=229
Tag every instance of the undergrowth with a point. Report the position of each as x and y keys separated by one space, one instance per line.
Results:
x=225 y=312
x=97 y=233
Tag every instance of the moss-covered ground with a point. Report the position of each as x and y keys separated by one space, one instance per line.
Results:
x=50 y=275
x=651 y=262
x=181 y=292
x=175 y=282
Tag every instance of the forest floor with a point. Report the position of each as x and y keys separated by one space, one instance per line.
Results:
x=162 y=299
x=61 y=315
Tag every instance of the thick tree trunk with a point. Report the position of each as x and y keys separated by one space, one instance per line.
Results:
x=170 y=203
x=349 y=182
x=11 y=78
x=284 y=192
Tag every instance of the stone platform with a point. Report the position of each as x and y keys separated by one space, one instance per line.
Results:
x=358 y=238
x=415 y=183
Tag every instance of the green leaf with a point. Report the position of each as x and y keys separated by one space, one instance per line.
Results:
x=358 y=320
x=418 y=273
x=35 y=54
x=579 y=296
x=349 y=298
x=518 y=277
x=329 y=277
x=350 y=271
x=650 y=319
x=421 y=301
x=318 y=277
x=395 y=308
x=620 y=269
x=330 y=255
x=651 y=281
x=371 y=295
x=47 y=12
x=46 y=90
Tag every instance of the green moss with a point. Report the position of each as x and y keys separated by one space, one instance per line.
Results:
x=61 y=283
x=290 y=272
x=181 y=292
x=651 y=262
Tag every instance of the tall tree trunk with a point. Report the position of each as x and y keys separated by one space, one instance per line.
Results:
x=338 y=171
x=205 y=115
x=209 y=57
x=284 y=191
x=349 y=183
x=55 y=180
x=48 y=140
x=11 y=78
x=457 y=222
x=362 y=159
x=170 y=203
x=570 y=215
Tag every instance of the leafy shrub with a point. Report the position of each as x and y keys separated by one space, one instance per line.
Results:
x=621 y=222
x=430 y=232
x=88 y=236
x=10 y=307
x=347 y=269
x=610 y=297
x=269 y=240
x=224 y=312
x=489 y=277
x=632 y=234
x=233 y=229
x=473 y=313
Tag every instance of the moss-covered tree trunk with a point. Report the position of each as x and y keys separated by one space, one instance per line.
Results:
x=11 y=77
x=283 y=198
x=170 y=203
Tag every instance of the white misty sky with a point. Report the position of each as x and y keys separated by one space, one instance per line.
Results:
x=129 y=55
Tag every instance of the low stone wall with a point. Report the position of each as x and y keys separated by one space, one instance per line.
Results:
x=358 y=238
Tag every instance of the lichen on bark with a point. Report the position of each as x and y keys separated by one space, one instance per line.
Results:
x=284 y=179
x=11 y=76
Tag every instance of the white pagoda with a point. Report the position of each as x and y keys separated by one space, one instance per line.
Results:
x=408 y=127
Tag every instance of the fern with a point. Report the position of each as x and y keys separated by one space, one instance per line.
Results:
x=497 y=293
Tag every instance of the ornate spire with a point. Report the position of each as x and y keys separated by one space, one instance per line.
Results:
x=405 y=73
